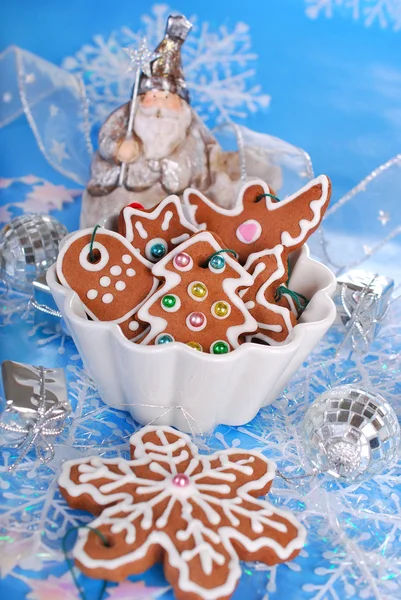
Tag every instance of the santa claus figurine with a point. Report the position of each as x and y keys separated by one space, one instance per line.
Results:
x=169 y=148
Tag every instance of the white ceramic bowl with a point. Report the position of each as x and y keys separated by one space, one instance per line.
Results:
x=192 y=390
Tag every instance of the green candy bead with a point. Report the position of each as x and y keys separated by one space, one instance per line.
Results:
x=169 y=301
x=220 y=348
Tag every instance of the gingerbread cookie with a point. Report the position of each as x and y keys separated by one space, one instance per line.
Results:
x=199 y=515
x=276 y=318
x=156 y=231
x=198 y=303
x=112 y=282
x=258 y=221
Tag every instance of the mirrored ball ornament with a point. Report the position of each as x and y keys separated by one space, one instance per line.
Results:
x=351 y=433
x=28 y=246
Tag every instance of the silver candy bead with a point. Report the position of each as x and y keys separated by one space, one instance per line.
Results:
x=351 y=433
x=28 y=246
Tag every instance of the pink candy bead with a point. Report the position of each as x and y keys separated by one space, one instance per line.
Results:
x=182 y=260
x=197 y=319
x=181 y=480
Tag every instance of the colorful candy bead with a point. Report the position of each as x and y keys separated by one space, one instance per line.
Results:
x=182 y=261
x=221 y=309
x=220 y=347
x=165 y=338
x=158 y=251
x=198 y=290
x=195 y=346
x=196 y=321
x=217 y=262
x=181 y=480
x=169 y=301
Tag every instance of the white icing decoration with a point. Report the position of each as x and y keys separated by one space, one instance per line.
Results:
x=92 y=294
x=152 y=243
x=130 y=272
x=116 y=270
x=133 y=326
x=84 y=256
x=166 y=221
x=129 y=214
x=174 y=308
x=180 y=238
x=250 y=304
x=256 y=235
x=107 y=298
x=165 y=459
x=217 y=316
x=277 y=251
x=107 y=236
x=105 y=281
x=120 y=285
x=239 y=279
x=189 y=290
x=141 y=230
x=192 y=328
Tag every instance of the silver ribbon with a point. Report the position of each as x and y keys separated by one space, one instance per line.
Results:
x=38 y=430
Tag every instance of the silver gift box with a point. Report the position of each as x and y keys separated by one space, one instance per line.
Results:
x=22 y=389
x=367 y=293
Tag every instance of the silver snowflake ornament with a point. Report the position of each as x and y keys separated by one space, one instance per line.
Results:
x=141 y=58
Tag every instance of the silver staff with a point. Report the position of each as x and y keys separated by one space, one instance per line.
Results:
x=141 y=59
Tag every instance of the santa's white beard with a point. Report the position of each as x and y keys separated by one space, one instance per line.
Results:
x=161 y=130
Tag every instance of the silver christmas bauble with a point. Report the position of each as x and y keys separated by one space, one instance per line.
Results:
x=28 y=246
x=351 y=433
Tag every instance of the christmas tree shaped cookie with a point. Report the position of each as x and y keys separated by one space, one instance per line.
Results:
x=110 y=277
x=259 y=221
x=276 y=318
x=157 y=231
x=198 y=303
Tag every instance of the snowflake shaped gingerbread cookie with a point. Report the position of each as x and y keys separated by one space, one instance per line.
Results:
x=157 y=231
x=258 y=221
x=200 y=515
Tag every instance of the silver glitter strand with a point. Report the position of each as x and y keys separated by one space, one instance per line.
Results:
x=141 y=60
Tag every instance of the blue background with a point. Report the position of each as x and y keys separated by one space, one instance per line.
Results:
x=335 y=84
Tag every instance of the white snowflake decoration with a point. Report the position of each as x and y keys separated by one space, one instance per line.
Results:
x=217 y=67
x=385 y=13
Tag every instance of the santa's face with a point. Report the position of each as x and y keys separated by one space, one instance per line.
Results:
x=161 y=122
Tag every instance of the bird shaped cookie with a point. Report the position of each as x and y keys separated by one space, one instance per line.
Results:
x=259 y=221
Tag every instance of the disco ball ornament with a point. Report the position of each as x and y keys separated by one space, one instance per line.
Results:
x=351 y=433
x=28 y=246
